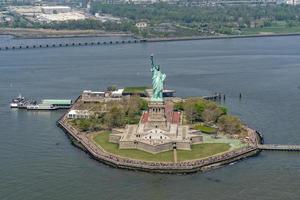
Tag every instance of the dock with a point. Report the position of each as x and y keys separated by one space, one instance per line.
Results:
x=279 y=147
x=215 y=97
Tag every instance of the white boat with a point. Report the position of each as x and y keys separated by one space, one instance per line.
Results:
x=15 y=102
x=13 y=105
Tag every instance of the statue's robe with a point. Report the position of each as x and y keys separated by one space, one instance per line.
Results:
x=157 y=83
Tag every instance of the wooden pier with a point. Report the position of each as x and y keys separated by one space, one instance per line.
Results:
x=215 y=97
x=279 y=147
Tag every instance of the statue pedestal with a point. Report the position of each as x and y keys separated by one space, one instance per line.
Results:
x=157 y=116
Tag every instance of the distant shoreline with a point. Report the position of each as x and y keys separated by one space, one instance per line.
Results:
x=22 y=33
x=25 y=33
x=218 y=37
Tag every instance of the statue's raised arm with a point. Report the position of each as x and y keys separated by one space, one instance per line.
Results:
x=151 y=58
x=153 y=66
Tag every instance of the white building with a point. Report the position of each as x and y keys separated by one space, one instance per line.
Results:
x=141 y=25
x=117 y=93
x=293 y=2
x=78 y=114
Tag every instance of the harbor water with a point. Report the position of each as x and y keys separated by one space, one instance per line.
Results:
x=37 y=160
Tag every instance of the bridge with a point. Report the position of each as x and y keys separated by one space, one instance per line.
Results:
x=138 y=40
x=279 y=147
x=71 y=44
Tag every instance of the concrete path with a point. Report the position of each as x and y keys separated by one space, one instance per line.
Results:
x=175 y=155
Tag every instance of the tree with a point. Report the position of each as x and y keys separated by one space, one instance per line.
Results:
x=230 y=124
x=115 y=117
x=178 y=106
x=111 y=88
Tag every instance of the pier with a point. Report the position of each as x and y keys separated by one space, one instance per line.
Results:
x=279 y=147
x=215 y=97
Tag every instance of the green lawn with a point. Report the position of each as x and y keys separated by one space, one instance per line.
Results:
x=202 y=151
x=135 y=90
x=272 y=29
x=204 y=129
x=198 y=151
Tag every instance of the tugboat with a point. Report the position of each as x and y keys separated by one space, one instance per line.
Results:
x=15 y=102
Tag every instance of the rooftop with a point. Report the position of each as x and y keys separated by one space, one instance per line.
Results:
x=56 y=101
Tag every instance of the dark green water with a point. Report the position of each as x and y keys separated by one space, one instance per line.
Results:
x=38 y=162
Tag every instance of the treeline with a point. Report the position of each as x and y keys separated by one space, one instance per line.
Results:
x=88 y=24
x=217 y=14
x=92 y=24
x=166 y=20
x=204 y=20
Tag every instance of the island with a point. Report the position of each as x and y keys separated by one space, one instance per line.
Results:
x=150 y=129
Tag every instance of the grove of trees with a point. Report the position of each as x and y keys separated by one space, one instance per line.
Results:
x=198 y=110
x=113 y=114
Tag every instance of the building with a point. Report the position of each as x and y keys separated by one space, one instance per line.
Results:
x=159 y=130
x=58 y=103
x=117 y=93
x=78 y=114
x=166 y=93
x=293 y=2
x=92 y=96
x=141 y=25
x=55 y=9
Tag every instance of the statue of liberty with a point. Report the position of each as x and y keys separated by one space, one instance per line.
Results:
x=157 y=81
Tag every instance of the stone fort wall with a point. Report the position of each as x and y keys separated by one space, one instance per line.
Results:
x=183 y=145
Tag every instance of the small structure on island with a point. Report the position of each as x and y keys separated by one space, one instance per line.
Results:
x=141 y=25
x=160 y=128
x=78 y=114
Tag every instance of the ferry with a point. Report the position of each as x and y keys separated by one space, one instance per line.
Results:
x=15 y=102
x=46 y=104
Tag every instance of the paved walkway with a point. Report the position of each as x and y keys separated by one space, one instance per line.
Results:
x=234 y=143
x=175 y=155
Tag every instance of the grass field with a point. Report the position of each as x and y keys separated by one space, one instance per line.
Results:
x=135 y=90
x=202 y=151
x=204 y=129
x=272 y=29
x=198 y=150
